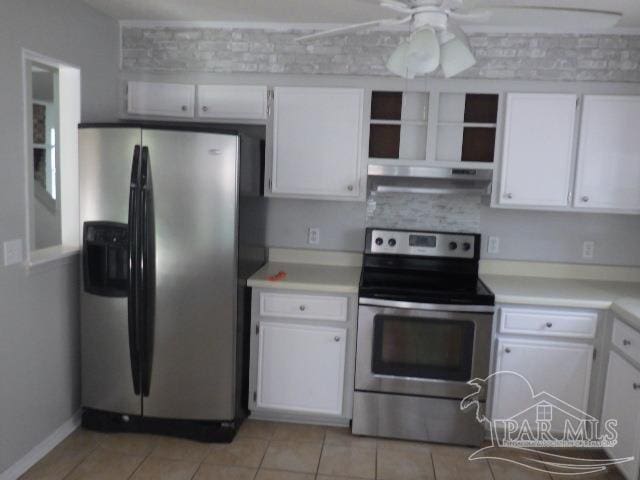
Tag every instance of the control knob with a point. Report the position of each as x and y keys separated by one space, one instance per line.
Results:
x=379 y=241
x=392 y=242
x=466 y=246
x=453 y=245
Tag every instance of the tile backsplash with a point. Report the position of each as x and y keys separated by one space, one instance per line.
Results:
x=455 y=213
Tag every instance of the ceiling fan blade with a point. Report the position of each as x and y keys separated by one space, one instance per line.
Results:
x=473 y=16
x=553 y=18
x=354 y=27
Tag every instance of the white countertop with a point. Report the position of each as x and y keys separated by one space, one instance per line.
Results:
x=559 y=292
x=306 y=276
x=629 y=309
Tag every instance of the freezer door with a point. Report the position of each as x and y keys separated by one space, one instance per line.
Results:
x=192 y=366
x=106 y=156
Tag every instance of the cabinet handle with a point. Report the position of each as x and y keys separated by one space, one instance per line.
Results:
x=507 y=350
x=508 y=195
x=626 y=342
x=302 y=308
x=205 y=108
x=337 y=339
x=350 y=188
x=585 y=199
x=636 y=386
x=183 y=108
x=549 y=324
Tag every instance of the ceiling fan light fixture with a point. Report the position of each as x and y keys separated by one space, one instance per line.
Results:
x=397 y=63
x=455 y=57
x=423 y=55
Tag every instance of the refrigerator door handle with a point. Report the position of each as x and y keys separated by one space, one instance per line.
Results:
x=132 y=301
x=147 y=272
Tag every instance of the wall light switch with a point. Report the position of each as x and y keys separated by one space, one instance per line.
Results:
x=494 y=245
x=588 y=248
x=313 y=236
x=13 y=252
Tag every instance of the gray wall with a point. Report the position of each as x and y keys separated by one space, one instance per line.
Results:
x=193 y=53
x=39 y=367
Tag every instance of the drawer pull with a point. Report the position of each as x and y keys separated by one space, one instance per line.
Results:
x=337 y=339
x=626 y=342
x=183 y=108
x=636 y=386
x=302 y=308
x=507 y=350
x=549 y=324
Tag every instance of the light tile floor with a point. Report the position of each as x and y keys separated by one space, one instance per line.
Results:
x=271 y=451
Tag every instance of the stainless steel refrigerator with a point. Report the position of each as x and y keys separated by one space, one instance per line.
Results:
x=173 y=224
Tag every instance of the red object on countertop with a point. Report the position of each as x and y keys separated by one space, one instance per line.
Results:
x=277 y=277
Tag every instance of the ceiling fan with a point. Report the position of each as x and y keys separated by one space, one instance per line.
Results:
x=436 y=38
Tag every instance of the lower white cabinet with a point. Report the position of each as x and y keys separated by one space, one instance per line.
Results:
x=622 y=402
x=301 y=367
x=562 y=369
x=302 y=355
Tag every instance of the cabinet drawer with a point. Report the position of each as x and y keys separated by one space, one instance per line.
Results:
x=626 y=339
x=548 y=322
x=303 y=306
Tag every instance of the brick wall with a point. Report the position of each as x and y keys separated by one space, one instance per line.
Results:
x=500 y=56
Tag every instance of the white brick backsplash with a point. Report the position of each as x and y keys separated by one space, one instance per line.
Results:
x=509 y=56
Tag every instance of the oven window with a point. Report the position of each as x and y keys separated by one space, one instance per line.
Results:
x=422 y=347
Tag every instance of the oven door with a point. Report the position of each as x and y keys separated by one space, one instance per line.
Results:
x=421 y=352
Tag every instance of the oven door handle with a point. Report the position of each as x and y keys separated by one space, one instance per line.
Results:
x=427 y=306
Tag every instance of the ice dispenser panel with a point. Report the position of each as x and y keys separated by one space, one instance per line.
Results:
x=105 y=257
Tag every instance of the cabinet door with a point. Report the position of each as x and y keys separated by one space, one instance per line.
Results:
x=166 y=99
x=537 y=154
x=608 y=174
x=232 y=102
x=301 y=368
x=317 y=142
x=622 y=403
x=538 y=363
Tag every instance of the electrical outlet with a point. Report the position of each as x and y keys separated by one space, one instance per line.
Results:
x=313 y=236
x=494 y=245
x=13 y=252
x=588 y=248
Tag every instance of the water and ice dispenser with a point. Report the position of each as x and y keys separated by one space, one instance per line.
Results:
x=106 y=258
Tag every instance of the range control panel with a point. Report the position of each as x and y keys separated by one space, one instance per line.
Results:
x=429 y=244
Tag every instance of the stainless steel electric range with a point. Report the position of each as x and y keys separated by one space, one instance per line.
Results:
x=424 y=330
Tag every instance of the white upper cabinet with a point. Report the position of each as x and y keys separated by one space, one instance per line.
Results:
x=608 y=174
x=232 y=102
x=537 y=153
x=317 y=143
x=162 y=99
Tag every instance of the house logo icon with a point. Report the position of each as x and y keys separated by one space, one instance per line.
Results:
x=546 y=422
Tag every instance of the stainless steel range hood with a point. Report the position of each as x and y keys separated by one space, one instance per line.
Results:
x=429 y=180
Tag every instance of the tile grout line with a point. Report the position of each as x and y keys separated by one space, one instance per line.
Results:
x=83 y=459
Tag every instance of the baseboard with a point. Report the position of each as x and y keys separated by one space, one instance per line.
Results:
x=44 y=447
